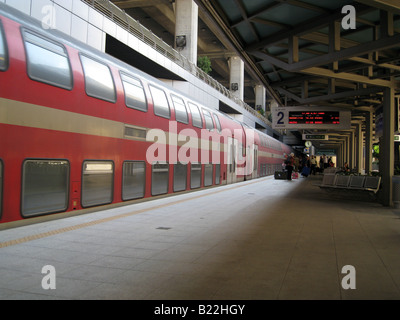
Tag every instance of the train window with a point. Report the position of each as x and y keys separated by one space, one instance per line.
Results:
x=180 y=176
x=159 y=178
x=47 y=61
x=208 y=120
x=217 y=173
x=133 y=180
x=196 y=117
x=45 y=185
x=195 y=175
x=180 y=110
x=161 y=106
x=219 y=128
x=97 y=183
x=3 y=51
x=98 y=79
x=134 y=93
x=208 y=174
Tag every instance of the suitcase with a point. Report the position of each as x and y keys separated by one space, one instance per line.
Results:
x=280 y=175
x=305 y=172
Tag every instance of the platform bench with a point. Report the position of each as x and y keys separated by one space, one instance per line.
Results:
x=351 y=182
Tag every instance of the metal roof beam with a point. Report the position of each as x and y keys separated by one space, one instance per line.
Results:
x=340 y=95
x=304 y=28
x=351 y=77
x=364 y=48
x=388 y=5
x=210 y=14
x=243 y=12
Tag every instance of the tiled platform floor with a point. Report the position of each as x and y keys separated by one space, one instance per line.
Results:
x=261 y=239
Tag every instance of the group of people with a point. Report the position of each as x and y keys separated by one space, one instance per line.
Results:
x=305 y=164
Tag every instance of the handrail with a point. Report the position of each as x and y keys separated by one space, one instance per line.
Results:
x=121 y=18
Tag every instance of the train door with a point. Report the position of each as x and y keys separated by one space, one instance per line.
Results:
x=232 y=163
x=255 y=162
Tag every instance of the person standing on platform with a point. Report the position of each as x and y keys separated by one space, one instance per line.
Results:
x=321 y=164
x=313 y=163
x=296 y=164
x=325 y=161
x=289 y=166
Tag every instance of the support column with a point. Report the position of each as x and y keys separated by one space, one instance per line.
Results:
x=358 y=147
x=352 y=163
x=260 y=93
x=368 y=142
x=186 y=29
x=343 y=152
x=386 y=159
x=347 y=150
x=339 y=157
x=236 y=78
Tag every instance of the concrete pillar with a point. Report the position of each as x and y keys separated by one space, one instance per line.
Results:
x=359 y=147
x=344 y=150
x=186 y=12
x=352 y=163
x=368 y=142
x=236 y=78
x=386 y=150
x=339 y=157
x=347 y=150
x=260 y=93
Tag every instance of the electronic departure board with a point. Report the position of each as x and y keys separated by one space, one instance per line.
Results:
x=314 y=117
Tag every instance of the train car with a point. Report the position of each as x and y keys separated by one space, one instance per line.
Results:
x=80 y=129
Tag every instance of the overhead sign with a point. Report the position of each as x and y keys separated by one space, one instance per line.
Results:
x=314 y=117
x=310 y=118
x=315 y=136
x=327 y=152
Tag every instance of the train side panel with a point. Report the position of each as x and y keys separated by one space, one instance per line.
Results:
x=78 y=141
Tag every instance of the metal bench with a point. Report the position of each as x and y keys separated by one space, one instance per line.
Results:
x=372 y=183
x=351 y=182
x=357 y=182
x=328 y=179
x=342 y=181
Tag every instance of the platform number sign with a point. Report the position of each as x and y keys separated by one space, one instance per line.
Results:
x=281 y=116
x=310 y=118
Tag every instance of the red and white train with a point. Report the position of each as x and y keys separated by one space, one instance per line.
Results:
x=79 y=129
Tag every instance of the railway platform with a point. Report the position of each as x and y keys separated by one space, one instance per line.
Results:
x=262 y=239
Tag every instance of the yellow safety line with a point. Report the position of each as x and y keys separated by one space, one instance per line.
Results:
x=124 y=215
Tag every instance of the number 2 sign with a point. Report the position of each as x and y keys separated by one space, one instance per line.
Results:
x=279 y=118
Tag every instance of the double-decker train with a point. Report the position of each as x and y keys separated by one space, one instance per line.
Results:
x=80 y=129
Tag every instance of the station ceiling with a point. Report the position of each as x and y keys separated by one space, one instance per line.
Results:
x=305 y=52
